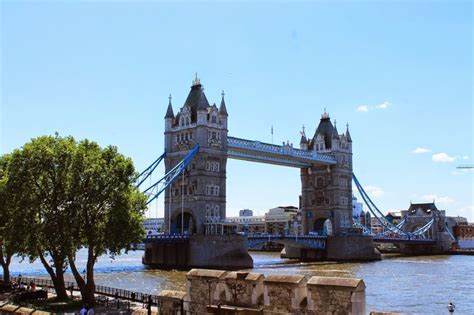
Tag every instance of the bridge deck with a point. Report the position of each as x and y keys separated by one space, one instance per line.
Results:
x=285 y=155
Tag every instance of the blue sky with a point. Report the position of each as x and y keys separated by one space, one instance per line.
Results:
x=399 y=72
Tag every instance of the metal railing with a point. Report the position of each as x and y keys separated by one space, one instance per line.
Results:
x=122 y=294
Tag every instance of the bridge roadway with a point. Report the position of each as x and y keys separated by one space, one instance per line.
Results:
x=299 y=241
x=285 y=155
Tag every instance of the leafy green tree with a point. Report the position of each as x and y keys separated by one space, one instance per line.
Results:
x=75 y=195
x=108 y=208
x=9 y=240
x=39 y=177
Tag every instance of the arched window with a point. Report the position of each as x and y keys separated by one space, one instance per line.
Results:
x=319 y=182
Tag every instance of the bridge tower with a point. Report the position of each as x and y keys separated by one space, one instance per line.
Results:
x=326 y=198
x=196 y=200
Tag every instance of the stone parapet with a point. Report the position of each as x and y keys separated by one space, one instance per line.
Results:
x=216 y=291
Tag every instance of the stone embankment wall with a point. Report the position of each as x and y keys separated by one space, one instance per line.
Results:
x=223 y=292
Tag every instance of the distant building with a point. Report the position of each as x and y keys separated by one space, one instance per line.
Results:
x=277 y=220
x=280 y=220
x=357 y=208
x=464 y=234
x=153 y=226
x=245 y=224
x=366 y=219
x=376 y=226
x=245 y=213
x=394 y=217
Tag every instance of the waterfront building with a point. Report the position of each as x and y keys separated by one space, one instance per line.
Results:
x=357 y=208
x=246 y=223
x=464 y=234
x=277 y=220
x=375 y=226
x=394 y=217
x=153 y=226
x=245 y=213
x=366 y=219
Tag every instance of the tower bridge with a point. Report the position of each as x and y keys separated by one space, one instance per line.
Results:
x=197 y=146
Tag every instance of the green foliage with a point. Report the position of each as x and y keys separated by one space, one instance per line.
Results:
x=71 y=195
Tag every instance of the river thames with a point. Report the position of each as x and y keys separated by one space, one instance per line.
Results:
x=416 y=285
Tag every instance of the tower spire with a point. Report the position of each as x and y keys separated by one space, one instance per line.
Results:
x=348 y=135
x=169 y=111
x=222 y=107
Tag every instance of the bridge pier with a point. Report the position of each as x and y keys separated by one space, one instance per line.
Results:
x=228 y=252
x=442 y=245
x=338 y=248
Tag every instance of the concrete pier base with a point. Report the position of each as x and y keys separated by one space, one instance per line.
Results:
x=303 y=254
x=338 y=248
x=227 y=252
x=352 y=248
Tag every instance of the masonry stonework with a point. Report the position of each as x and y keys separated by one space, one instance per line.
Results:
x=222 y=292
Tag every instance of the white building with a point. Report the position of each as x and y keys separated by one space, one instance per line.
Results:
x=153 y=226
x=357 y=208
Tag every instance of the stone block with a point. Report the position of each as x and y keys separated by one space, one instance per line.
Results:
x=329 y=295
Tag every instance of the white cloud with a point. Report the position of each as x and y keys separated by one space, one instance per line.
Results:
x=443 y=157
x=421 y=150
x=374 y=191
x=440 y=200
x=384 y=105
x=465 y=157
x=363 y=108
x=366 y=108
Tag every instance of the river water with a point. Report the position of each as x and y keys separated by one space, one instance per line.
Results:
x=415 y=285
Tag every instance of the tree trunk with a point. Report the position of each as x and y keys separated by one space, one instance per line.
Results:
x=57 y=277
x=6 y=273
x=87 y=285
x=5 y=262
x=59 y=285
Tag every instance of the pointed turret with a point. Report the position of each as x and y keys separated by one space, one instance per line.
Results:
x=335 y=134
x=169 y=111
x=222 y=107
x=196 y=99
x=325 y=129
x=348 y=135
x=303 y=136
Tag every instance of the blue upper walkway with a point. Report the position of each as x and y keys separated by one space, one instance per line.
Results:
x=285 y=155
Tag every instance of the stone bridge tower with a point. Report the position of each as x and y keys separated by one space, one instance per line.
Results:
x=326 y=198
x=196 y=200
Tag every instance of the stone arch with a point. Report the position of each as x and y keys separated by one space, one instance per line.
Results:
x=186 y=219
x=323 y=226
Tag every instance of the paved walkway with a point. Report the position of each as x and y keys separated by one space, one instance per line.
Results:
x=106 y=305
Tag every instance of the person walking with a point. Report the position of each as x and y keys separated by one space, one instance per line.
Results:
x=83 y=310
x=90 y=311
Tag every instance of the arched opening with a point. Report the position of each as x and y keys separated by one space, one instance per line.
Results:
x=323 y=226
x=186 y=220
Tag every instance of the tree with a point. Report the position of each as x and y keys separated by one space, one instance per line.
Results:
x=13 y=227
x=40 y=182
x=107 y=206
x=7 y=238
x=75 y=195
